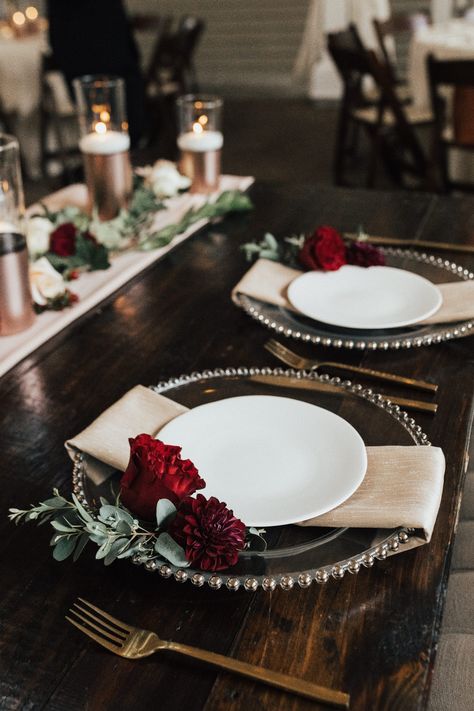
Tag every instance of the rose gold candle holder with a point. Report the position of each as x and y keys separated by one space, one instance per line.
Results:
x=104 y=143
x=200 y=141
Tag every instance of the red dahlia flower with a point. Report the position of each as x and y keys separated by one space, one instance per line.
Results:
x=156 y=471
x=209 y=532
x=365 y=255
x=325 y=249
x=62 y=241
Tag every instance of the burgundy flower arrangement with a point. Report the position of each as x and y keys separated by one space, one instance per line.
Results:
x=323 y=250
x=155 y=518
x=209 y=533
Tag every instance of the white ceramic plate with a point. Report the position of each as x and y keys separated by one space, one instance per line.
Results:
x=356 y=297
x=273 y=460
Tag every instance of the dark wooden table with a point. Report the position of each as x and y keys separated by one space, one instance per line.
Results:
x=373 y=634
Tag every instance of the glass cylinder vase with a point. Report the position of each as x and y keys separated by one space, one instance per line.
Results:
x=200 y=140
x=104 y=143
x=16 y=303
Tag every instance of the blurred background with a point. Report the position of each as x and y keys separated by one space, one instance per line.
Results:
x=292 y=111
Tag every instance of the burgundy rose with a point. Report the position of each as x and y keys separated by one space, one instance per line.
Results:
x=325 y=249
x=156 y=471
x=63 y=240
x=209 y=533
x=365 y=255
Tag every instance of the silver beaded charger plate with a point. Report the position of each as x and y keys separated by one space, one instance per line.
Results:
x=435 y=269
x=296 y=556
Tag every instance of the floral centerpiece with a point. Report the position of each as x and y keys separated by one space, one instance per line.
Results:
x=324 y=249
x=65 y=243
x=157 y=515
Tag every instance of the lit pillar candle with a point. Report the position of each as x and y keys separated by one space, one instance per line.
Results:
x=104 y=143
x=201 y=156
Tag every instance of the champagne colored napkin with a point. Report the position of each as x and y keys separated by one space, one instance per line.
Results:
x=106 y=439
x=402 y=485
x=268 y=281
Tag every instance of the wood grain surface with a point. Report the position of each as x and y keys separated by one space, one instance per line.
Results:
x=373 y=634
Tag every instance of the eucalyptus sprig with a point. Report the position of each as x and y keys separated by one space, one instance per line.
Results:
x=229 y=201
x=269 y=247
x=113 y=529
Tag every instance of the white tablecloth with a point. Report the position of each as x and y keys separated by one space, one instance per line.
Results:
x=313 y=63
x=447 y=40
x=20 y=70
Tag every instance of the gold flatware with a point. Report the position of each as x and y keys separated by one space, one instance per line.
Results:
x=135 y=643
x=295 y=361
x=305 y=384
x=423 y=243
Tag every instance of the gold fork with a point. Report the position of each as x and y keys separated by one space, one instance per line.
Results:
x=295 y=361
x=134 y=643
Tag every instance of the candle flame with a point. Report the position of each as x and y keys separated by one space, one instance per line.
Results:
x=197 y=128
x=31 y=12
x=18 y=18
x=104 y=116
x=100 y=127
x=203 y=120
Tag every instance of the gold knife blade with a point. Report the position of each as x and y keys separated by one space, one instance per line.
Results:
x=303 y=384
x=425 y=244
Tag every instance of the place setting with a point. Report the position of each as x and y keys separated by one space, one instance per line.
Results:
x=284 y=463
x=354 y=294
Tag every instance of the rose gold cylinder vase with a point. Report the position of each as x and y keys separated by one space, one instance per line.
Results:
x=109 y=182
x=16 y=303
x=104 y=143
x=203 y=169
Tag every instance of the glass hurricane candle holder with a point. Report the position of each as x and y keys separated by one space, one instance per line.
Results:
x=16 y=303
x=104 y=143
x=200 y=141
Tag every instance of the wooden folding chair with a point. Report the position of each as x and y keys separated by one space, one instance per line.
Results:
x=453 y=115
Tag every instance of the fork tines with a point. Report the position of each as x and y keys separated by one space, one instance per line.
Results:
x=98 y=625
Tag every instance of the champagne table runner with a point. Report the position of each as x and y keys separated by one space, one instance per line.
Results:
x=94 y=287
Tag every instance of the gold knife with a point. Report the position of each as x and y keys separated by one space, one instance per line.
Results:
x=425 y=244
x=304 y=384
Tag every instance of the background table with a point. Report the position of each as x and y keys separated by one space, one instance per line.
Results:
x=373 y=634
x=448 y=40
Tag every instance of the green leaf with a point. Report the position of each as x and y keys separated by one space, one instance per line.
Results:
x=104 y=549
x=114 y=550
x=93 y=255
x=60 y=526
x=64 y=547
x=115 y=513
x=170 y=550
x=82 y=512
x=58 y=502
x=80 y=545
x=165 y=509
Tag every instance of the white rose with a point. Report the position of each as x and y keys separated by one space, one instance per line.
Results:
x=46 y=283
x=38 y=230
x=165 y=179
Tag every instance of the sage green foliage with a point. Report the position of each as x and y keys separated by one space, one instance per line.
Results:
x=285 y=251
x=113 y=529
x=229 y=201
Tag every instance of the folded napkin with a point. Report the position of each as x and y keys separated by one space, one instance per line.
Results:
x=402 y=485
x=268 y=281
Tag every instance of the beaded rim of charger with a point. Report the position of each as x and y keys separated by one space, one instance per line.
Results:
x=436 y=334
x=302 y=579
